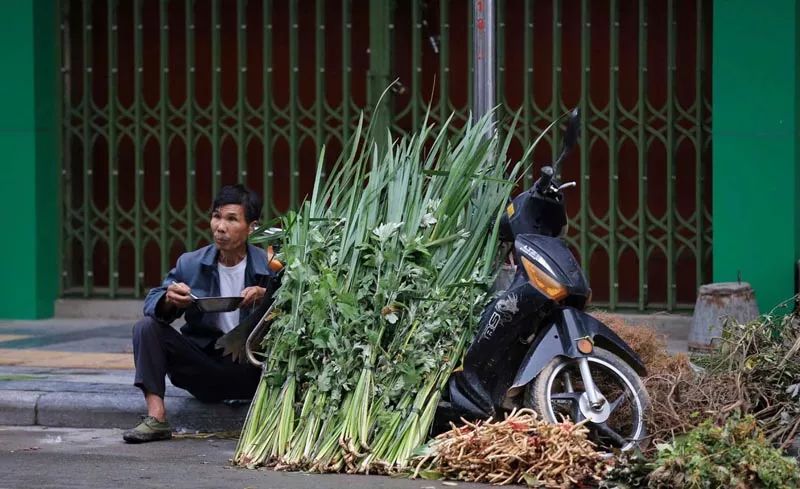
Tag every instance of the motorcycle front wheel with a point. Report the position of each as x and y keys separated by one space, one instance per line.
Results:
x=558 y=393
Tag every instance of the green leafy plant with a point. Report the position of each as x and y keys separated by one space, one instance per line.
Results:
x=735 y=454
x=387 y=267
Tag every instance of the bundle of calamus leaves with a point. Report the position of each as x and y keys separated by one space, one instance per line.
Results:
x=388 y=264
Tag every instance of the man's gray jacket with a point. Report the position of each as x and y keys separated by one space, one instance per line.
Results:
x=198 y=270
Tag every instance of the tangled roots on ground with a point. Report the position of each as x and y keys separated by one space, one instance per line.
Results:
x=681 y=400
x=520 y=449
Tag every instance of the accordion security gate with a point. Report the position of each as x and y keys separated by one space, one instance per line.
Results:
x=166 y=100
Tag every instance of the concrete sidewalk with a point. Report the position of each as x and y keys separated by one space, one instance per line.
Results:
x=79 y=373
x=76 y=372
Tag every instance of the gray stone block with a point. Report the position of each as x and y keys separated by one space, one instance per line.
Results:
x=187 y=413
x=674 y=326
x=18 y=408
x=56 y=385
x=130 y=309
x=90 y=410
x=106 y=410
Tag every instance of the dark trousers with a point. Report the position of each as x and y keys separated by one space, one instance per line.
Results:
x=159 y=350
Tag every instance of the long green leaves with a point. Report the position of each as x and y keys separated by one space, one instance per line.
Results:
x=388 y=264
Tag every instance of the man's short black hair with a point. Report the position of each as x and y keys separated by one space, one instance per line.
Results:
x=241 y=195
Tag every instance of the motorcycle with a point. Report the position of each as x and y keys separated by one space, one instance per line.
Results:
x=536 y=347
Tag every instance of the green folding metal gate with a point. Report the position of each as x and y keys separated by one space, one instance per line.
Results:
x=166 y=100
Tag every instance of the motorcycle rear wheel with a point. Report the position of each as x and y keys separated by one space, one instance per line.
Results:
x=557 y=393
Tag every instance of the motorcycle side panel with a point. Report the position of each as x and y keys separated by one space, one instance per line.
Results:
x=491 y=361
x=558 y=339
x=555 y=339
x=544 y=348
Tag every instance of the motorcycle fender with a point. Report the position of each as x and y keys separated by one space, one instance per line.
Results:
x=557 y=339
x=606 y=339
x=544 y=348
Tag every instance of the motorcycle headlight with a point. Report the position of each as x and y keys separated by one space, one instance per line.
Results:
x=543 y=282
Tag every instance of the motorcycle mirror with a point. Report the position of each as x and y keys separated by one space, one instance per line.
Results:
x=573 y=131
x=571 y=136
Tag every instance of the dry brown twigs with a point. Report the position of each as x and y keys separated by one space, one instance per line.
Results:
x=680 y=398
x=519 y=449
x=750 y=373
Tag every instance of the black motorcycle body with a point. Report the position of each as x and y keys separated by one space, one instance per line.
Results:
x=539 y=324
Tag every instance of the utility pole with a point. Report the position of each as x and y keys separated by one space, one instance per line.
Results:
x=483 y=55
x=380 y=66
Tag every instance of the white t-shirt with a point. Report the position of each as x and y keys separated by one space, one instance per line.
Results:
x=231 y=283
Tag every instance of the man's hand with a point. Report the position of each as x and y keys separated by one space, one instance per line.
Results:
x=252 y=295
x=178 y=295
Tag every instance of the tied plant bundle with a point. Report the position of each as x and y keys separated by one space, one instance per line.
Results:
x=387 y=267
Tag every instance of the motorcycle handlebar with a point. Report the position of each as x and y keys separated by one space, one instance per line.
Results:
x=545 y=180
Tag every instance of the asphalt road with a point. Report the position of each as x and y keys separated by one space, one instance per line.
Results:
x=90 y=458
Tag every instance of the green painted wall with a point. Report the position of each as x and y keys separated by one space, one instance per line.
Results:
x=796 y=200
x=29 y=158
x=756 y=180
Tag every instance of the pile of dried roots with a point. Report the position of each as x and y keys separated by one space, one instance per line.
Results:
x=519 y=449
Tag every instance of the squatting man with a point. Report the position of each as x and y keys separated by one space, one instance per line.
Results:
x=227 y=267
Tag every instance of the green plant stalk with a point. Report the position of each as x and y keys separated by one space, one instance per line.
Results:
x=286 y=416
x=417 y=425
x=413 y=433
x=307 y=422
x=259 y=424
x=381 y=441
x=312 y=437
x=395 y=437
x=355 y=417
x=263 y=445
x=305 y=412
x=256 y=452
x=253 y=419
x=396 y=443
x=328 y=449
x=386 y=433
x=329 y=453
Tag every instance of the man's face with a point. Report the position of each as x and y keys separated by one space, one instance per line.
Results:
x=229 y=227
